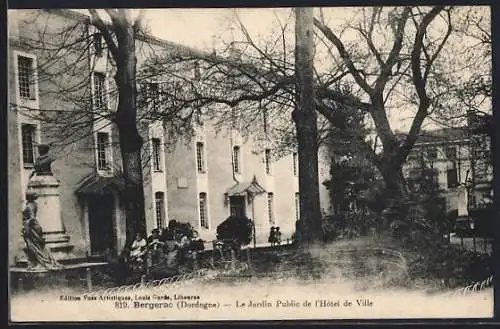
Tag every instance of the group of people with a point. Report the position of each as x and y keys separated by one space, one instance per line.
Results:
x=274 y=236
x=171 y=241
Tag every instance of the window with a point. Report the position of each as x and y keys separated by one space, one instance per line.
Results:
x=99 y=91
x=431 y=153
x=153 y=94
x=451 y=153
x=26 y=77
x=203 y=210
x=264 y=120
x=297 y=206
x=160 y=209
x=430 y=178
x=28 y=139
x=270 y=206
x=98 y=43
x=412 y=156
x=268 y=161
x=102 y=151
x=197 y=71
x=295 y=163
x=236 y=160
x=157 y=165
x=200 y=161
x=452 y=177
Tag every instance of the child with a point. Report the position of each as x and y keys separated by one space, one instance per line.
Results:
x=277 y=235
x=138 y=248
x=272 y=237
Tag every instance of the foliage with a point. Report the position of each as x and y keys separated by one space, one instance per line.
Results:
x=484 y=220
x=348 y=224
x=354 y=183
x=238 y=229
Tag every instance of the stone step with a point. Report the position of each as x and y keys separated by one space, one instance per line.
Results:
x=66 y=261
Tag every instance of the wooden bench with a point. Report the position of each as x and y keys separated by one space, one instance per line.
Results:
x=22 y=272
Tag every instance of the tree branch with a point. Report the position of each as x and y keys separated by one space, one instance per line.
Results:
x=328 y=33
x=419 y=83
x=104 y=29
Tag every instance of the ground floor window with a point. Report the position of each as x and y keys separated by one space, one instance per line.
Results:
x=203 y=210
x=160 y=209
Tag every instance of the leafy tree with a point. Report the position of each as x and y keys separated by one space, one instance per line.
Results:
x=235 y=229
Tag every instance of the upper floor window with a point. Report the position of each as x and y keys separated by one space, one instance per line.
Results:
x=413 y=155
x=200 y=157
x=236 y=160
x=160 y=209
x=431 y=153
x=203 y=210
x=451 y=153
x=26 y=77
x=103 y=151
x=28 y=141
x=270 y=207
x=157 y=163
x=99 y=90
x=197 y=71
x=153 y=94
x=297 y=206
x=264 y=120
x=295 y=163
x=98 y=43
x=267 y=160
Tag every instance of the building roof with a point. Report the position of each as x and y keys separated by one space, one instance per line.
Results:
x=443 y=135
x=99 y=185
x=244 y=188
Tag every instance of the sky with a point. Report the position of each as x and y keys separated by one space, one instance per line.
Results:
x=205 y=28
x=209 y=28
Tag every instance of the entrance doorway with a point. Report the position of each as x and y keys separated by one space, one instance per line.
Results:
x=237 y=206
x=101 y=229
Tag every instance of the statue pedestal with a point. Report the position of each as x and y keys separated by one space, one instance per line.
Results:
x=49 y=215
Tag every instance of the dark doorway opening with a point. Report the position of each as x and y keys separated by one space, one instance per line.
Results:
x=237 y=206
x=101 y=229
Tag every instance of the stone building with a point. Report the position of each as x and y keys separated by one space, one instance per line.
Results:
x=454 y=157
x=201 y=180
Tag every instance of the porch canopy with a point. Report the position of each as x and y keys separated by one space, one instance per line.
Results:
x=245 y=188
x=100 y=185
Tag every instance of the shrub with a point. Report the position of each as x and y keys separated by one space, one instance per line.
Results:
x=238 y=229
x=483 y=221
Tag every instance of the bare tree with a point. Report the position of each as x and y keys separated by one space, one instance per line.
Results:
x=382 y=61
x=68 y=45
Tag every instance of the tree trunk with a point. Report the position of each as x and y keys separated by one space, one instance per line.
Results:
x=396 y=193
x=130 y=139
x=309 y=226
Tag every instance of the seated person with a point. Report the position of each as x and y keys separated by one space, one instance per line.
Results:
x=196 y=242
x=154 y=240
x=155 y=247
x=138 y=248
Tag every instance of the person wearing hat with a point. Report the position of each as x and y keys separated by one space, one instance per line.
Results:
x=37 y=254
x=272 y=236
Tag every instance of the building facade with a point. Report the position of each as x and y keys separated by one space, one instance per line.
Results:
x=201 y=180
x=454 y=157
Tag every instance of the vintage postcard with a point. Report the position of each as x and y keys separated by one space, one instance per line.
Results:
x=250 y=164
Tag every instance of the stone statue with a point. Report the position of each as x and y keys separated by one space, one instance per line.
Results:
x=38 y=255
x=43 y=162
x=462 y=201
